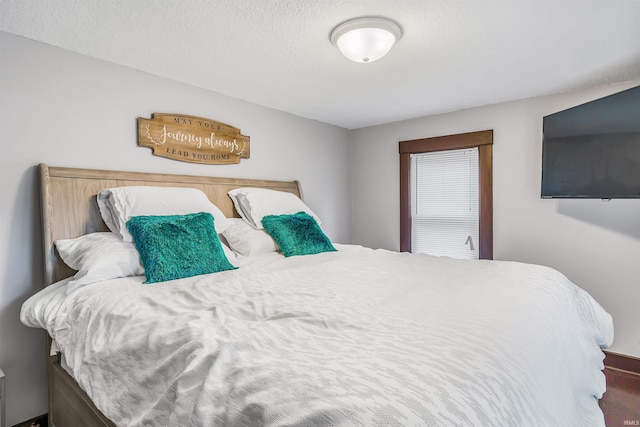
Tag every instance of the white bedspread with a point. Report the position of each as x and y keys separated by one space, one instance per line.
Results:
x=356 y=337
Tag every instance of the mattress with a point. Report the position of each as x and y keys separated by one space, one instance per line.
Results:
x=357 y=337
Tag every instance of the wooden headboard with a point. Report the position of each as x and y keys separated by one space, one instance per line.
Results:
x=69 y=207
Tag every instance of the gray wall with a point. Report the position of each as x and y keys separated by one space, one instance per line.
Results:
x=65 y=109
x=596 y=244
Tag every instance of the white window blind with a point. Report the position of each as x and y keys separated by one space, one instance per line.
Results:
x=444 y=200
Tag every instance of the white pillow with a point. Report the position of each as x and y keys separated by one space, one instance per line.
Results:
x=118 y=205
x=253 y=204
x=103 y=256
x=246 y=240
x=99 y=256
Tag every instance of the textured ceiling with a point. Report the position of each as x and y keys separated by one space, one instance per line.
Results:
x=277 y=53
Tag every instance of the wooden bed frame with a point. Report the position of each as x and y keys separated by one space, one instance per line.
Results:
x=69 y=209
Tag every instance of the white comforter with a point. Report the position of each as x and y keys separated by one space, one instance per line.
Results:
x=356 y=337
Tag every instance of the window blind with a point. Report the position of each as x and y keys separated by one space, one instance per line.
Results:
x=444 y=200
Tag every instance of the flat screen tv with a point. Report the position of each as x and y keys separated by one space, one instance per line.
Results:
x=593 y=150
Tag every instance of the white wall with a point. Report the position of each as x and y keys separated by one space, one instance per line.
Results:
x=596 y=244
x=65 y=109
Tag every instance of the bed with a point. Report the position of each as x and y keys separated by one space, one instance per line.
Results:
x=351 y=336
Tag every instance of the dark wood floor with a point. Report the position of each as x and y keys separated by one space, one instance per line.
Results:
x=621 y=401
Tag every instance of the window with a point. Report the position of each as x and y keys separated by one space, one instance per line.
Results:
x=444 y=203
x=446 y=196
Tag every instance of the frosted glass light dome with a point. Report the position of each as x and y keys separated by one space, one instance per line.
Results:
x=366 y=39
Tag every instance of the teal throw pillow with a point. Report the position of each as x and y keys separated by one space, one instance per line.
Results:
x=297 y=234
x=177 y=246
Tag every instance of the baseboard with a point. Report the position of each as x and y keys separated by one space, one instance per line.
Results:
x=41 y=421
x=622 y=362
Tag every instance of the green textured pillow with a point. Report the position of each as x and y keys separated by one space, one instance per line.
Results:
x=177 y=246
x=297 y=234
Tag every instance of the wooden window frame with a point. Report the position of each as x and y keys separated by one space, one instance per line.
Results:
x=483 y=140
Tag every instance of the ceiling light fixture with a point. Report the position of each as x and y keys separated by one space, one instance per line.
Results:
x=366 y=39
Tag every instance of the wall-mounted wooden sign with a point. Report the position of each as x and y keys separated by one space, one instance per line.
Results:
x=192 y=139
